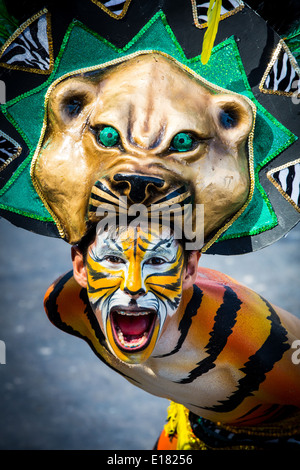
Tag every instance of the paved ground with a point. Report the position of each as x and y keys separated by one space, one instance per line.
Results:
x=55 y=394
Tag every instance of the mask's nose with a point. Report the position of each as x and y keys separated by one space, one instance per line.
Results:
x=137 y=187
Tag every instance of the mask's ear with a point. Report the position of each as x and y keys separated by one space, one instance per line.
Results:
x=79 y=270
x=233 y=116
x=191 y=269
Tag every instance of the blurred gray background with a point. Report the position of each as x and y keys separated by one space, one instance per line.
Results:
x=55 y=393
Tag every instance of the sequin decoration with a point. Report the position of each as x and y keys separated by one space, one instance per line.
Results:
x=117 y=9
x=85 y=51
x=9 y=150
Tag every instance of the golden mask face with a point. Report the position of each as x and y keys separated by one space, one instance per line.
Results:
x=134 y=283
x=148 y=116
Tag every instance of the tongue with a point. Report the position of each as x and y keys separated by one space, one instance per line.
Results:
x=131 y=325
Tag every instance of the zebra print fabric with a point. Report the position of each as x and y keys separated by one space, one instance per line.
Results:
x=115 y=6
x=9 y=150
x=117 y=9
x=283 y=75
x=228 y=8
x=289 y=180
x=30 y=49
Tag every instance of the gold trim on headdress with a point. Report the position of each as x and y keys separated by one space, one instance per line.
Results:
x=112 y=14
x=14 y=155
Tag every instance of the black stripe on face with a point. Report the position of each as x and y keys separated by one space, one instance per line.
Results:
x=96 y=276
x=172 y=303
x=259 y=364
x=172 y=272
x=225 y=320
x=186 y=321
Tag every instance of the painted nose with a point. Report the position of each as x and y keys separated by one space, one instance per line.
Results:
x=137 y=187
x=133 y=282
x=135 y=293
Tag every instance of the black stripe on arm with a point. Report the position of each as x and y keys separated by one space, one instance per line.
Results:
x=186 y=321
x=225 y=320
x=258 y=365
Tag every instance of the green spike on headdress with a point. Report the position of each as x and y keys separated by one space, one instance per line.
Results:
x=8 y=24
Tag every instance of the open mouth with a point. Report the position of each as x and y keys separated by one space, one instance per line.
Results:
x=132 y=328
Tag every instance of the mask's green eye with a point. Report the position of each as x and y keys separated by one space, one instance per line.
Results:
x=108 y=136
x=182 y=142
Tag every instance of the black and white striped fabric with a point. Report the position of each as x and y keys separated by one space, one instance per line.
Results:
x=9 y=150
x=115 y=6
x=283 y=76
x=289 y=181
x=227 y=6
x=30 y=49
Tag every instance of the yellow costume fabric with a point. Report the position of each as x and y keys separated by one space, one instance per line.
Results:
x=179 y=435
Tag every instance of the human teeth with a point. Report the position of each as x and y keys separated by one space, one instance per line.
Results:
x=133 y=343
x=135 y=314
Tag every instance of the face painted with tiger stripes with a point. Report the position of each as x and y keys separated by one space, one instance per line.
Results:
x=134 y=283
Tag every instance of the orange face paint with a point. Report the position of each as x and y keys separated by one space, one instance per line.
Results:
x=134 y=284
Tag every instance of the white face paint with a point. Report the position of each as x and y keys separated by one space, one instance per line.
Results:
x=134 y=283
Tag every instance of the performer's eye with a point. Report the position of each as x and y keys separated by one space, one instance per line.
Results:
x=108 y=136
x=114 y=259
x=183 y=142
x=155 y=261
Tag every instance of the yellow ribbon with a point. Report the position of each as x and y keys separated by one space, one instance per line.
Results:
x=213 y=18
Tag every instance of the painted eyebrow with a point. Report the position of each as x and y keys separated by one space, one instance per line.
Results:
x=159 y=252
x=109 y=241
x=161 y=243
x=109 y=247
